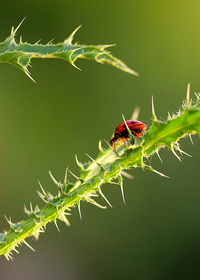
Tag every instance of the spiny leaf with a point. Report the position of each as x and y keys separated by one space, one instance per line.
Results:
x=105 y=168
x=20 y=54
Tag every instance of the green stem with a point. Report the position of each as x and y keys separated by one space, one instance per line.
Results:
x=107 y=167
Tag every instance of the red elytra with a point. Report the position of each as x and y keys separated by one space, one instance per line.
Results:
x=121 y=133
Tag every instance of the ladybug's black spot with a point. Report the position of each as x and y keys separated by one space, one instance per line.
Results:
x=137 y=130
x=124 y=126
x=132 y=122
x=123 y=134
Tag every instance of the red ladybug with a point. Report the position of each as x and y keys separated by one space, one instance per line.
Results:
x=121 y=133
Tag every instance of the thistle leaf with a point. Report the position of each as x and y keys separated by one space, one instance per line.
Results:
x=20 y=54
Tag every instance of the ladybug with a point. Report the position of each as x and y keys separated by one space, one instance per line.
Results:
x=121 y=133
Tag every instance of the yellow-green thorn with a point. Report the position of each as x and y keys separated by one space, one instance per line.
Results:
x=188 y=96
x=129 y=132
x=95 y=161
x=126 y=174
x=29 y=246
x=29 y=74
x=153 y=110
x=159 y=156
x=120 y=179
x=8 y=220
x=191 y=140
x=135 y=114
x=63 y=218
x=183 y=152
x=76 y=177
x=14 y=30
x=104 y=197
x=92 y=201
x=69 y=40
x=173 y=151
x=42 y=188
x=79 y=163
x=65 y=178
x=79 y=209
x=55 y=222
x=100 y=147
x=155 y=171
x=58 y=184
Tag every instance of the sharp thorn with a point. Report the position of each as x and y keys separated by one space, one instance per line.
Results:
x=31 y=207
x=8 y=220
x=129 y=132
x=90 y=157
x=108 y=144
x=159 y=156
x=38 y=42
x=65 y=178
x=70 y=38
x=104 y=197
x=100 y=146
x=76 y=177
x=50 y=41
x=135 y=113
x=16 y=250
x=169 y=116
x=127 y=175
x=173 y=151
x=63 y=218
x=92 y=201
x=15 y=30
x=122 y=191
x=155 y=171
x=153 y=110
x=55 y=222
x=188 y=96
x=29 y=75
x=120 y=179
x=26 y=243
x=182 y=152
x=197 y=94
x=79 y=210
x=42 y=197
x=112 y=182
x=54 y=180
x=190 y=136
x=97 y=163
x=78 y=162
x=42 y=188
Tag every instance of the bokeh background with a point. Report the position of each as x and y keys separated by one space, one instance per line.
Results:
x=157 y=234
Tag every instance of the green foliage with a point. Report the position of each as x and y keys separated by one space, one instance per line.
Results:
x=20 y=54
x=108 y=167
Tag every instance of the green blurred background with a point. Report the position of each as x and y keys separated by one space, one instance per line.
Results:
x=157 y=234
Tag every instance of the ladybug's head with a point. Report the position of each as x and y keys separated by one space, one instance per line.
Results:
x=113 y=140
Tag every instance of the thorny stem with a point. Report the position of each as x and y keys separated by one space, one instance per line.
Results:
x=107 y=167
